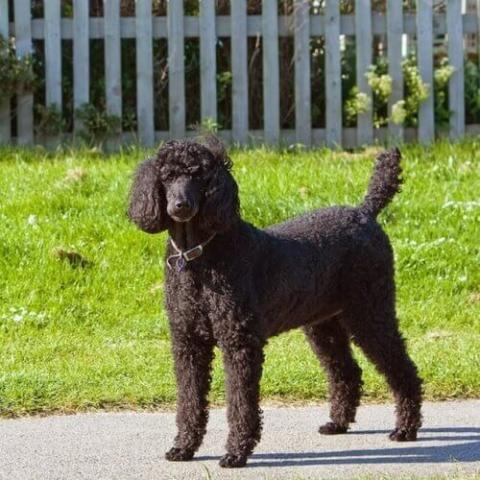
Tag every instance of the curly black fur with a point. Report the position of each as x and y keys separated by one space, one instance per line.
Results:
x=329 y=272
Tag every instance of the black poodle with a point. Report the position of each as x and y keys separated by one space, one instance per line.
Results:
x=231 y=285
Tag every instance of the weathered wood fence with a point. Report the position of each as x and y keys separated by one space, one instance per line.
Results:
x=422 y=25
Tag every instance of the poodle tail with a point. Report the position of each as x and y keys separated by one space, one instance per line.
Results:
x=384 y=183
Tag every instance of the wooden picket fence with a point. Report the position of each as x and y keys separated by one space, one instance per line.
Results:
x=424 y=25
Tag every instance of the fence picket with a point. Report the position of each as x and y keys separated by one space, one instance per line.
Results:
x=176 y=69
x=426 y=119
x=53 y=54
x=239 y=71
x=5 y=130
x=364 y=45
x=456 y=59
x=394 y=40
x=303 y=115
x=478 y=30
x=333 y=72
x=271 y=73
x=208 y=60
x=81 y=56
x=113 y=54
x=144 y=55
x=23 y=36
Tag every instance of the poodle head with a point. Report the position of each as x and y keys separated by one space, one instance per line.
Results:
x=186 y=181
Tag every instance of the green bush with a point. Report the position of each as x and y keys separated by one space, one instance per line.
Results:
x=50 y=120
x=16 y=74
x=97 y=124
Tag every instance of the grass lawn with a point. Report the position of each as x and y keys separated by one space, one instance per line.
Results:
x=93 y=333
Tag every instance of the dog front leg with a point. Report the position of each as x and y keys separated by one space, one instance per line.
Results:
x=193 y=359
x=243 y=368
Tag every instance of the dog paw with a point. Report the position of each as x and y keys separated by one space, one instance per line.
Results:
x=232 y=461
x=178 y=455
x=332 y=428
x=401 y=435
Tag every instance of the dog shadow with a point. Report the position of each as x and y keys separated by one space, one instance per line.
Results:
x=463 y=446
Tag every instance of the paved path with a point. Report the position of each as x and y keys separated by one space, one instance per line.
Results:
x=118 y=446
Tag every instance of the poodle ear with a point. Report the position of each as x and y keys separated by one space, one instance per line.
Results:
x=221 y=206
x=147 y=201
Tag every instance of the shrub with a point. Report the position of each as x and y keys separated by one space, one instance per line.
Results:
x=381 y=85
x=97 y=124
x=50 y=121
x=416 y=90
x=356 y=103
x=16 y=73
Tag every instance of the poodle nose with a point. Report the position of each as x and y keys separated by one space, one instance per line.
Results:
x=182 y=204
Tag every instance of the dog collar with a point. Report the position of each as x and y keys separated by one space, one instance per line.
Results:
x=184 y=256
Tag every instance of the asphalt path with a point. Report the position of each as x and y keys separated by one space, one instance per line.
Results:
x=118 y=446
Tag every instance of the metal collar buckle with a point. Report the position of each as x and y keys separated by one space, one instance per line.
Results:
x=193 y=253
x=183 y=257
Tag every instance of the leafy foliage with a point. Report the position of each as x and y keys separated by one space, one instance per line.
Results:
x=356 y=104
x=16 y=73
x=97 y=124
x=50 y=120
x=472 y=92
x=441 y=78
x=416 y=90
x=381 y=85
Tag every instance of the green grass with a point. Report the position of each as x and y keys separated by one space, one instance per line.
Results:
x=96 y=336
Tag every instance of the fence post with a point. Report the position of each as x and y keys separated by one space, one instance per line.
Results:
x=176 y=69
x=303 y=113
x=144 y=55
x=208 y=60
x=394 y=40
x=81 y=56
x=478 y=29
x=238 y=16
x=271 y=73
x=5 y=130
x=426 y=114
x=113 y=57
x=333 y=75
x=455 y=59
x=364 y=45
x=53 y=58
x=23 y=35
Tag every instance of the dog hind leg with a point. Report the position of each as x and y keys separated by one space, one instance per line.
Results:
x=331 y=344
x=376 y=332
